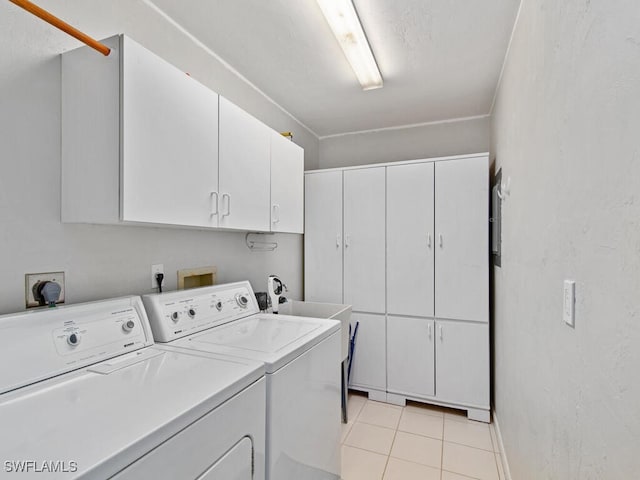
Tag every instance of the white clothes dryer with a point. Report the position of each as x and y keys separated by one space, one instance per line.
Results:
x=84 y=394
x=302 y=358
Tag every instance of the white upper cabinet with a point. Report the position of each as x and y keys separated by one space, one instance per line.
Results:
x=143 y=142
x=169 y=142
x=462 y=239
x=245 y=145
x=323 y=237
x=364 y=239
x=287 y=185
x=410 y=239
x=139 y=139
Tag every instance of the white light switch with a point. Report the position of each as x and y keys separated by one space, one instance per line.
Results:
x=569 y=303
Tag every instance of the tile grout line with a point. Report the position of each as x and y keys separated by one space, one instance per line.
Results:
x=495 y=457
x=421 y=435
x=365 y=450
x=459 y=474
x=395 y=433
x=353 y=422
x=468 y=446
x=444 y=418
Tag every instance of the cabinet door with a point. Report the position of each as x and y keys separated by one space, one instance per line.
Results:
x=287 y=185
x=368 y=369
x=323 y=237
x=410 y=240
x=410 y=356
x=462 y=243
x=169 y=142
x=364 y=239
x=245 y=175
x=462 y=363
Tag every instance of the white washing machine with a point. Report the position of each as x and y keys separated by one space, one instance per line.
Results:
x=84 y=394
x=302 y=362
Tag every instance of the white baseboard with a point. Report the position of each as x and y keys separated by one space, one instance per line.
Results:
x=503 y=455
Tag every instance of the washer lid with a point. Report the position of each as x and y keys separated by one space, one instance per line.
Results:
x=108 y=415
x=272 y=339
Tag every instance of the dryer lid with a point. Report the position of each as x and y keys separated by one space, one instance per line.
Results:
x=108 y=415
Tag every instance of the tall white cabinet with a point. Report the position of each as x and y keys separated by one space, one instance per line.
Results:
x=415 y=268
x=345 y=245
x=323 y=237
x=461 y=227
x=410 y=238
x=364 y=239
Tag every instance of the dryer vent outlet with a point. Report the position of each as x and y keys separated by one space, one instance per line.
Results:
x=33 y=283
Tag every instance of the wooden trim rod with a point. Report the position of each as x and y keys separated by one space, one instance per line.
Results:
x=62 y=25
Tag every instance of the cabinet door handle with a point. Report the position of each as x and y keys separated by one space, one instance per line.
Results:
x=429 y=331
x=347 y=241
x=214 y=212
x=276 y=213
x=228 y=204
x=440 y=331
x=338 y=240
x=440 y=239
x=428 y=240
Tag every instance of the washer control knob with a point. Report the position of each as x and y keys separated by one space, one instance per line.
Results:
x=73 y=339
x=192 y=312
x=175 y=316
x=242 y=300
x=128 y=326
x=219 y=305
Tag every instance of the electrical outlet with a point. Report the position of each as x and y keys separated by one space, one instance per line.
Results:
x=31 y=279
x=155 y=269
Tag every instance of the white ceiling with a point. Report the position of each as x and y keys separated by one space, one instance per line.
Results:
x=440 y=59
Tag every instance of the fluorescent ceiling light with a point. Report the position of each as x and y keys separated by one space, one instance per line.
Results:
x=343 y=20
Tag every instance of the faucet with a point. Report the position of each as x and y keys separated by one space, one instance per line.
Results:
x=275 y=288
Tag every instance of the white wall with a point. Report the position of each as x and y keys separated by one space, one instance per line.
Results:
x=102 y=261
x=566 y=129
x=391 y=145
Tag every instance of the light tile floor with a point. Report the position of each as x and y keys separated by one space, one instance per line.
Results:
x=417 y=442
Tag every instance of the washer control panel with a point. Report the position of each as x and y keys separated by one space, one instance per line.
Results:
x=119 y=330
x=68 y=338
x=177 y=314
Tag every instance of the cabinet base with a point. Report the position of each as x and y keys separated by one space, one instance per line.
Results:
x=479 y=415
x=375 y=395
x=395 y=399
x=476 y=414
